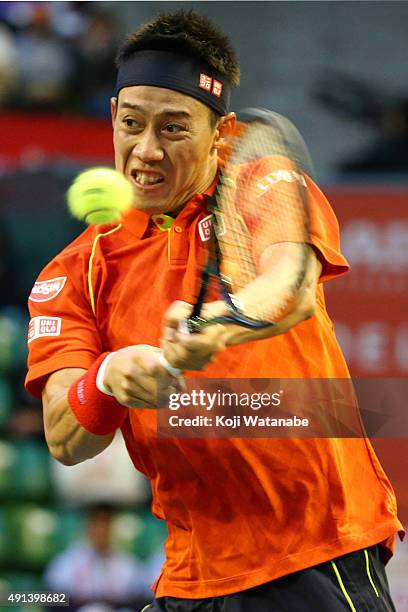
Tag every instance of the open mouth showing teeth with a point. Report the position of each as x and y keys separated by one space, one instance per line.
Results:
x=147 y=178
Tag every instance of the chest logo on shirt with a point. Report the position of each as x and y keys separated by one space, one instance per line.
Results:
x=204 y=228
x=44 y=291
x=44 y=326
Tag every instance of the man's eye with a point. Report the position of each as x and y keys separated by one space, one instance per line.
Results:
x=130 y=123
x=174 y=128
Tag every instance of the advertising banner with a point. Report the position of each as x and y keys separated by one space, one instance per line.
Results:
x=369 y=305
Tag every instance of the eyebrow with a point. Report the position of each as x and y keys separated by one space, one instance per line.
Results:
x=167 y=111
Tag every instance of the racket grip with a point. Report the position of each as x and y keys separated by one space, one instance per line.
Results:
x=184 y=328
x=172 y=371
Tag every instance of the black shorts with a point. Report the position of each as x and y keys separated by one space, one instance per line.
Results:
x=355 y=582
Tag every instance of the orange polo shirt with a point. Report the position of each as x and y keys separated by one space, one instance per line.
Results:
x=240 y=512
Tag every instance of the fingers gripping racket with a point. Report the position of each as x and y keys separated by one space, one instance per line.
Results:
x=261 y=199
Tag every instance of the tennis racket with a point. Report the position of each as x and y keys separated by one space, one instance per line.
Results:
x=261 y=199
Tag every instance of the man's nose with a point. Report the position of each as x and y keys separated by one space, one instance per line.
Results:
x=148 y=147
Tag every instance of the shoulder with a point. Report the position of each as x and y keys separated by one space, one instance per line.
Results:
x=85 y=242
x=76 y=255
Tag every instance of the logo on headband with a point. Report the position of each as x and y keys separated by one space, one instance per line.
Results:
x=216 y=88
x=209 y=84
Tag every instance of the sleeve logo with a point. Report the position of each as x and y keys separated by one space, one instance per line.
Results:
x=204 y=228
x=44 y=291
x=44 y=326
x=278 y=176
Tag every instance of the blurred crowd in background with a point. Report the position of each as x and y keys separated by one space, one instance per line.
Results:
x=57 y=55
x=88 y=530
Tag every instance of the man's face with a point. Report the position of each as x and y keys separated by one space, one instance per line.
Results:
x=165 y=145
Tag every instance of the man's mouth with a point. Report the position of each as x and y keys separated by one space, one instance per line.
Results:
x=147 y=178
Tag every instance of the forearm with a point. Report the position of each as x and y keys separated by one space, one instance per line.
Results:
x=70 y=443
x=235 y=334
x=283 y=294
x=67 y=440
x=284 y=272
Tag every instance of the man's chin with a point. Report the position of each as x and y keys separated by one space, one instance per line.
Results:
x=159 y=205
x=149 y=206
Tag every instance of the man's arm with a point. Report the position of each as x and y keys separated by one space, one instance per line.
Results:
x=68 y=442
x=291 y=296
x=131 y=375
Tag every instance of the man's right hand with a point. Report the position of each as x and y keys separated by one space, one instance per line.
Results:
x=132 y=375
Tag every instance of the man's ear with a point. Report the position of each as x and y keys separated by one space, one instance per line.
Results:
x=114 y=109
x=225 y=128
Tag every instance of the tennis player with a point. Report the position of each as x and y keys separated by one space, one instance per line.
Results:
x=254 y=525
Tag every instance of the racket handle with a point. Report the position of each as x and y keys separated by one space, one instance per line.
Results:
x=172 y=371
x=185 y=329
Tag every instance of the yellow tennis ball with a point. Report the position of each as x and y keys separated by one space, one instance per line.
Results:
x=99 y=195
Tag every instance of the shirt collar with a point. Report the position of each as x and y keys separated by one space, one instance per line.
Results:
x=137 y=221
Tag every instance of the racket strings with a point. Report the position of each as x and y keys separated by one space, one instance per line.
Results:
x=234 y=240
x=261 y=201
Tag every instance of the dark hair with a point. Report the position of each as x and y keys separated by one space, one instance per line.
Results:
x=187 y=32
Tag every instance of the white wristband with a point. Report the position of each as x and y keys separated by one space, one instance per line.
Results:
x=172 y=371
x=101 y=375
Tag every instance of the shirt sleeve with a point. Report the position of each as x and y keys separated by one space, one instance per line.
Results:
x=325 y=234
x=271 y=217
x=62 y=331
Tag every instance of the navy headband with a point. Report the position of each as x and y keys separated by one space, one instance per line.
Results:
x=179 y=72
